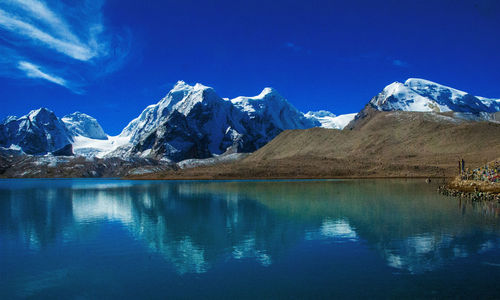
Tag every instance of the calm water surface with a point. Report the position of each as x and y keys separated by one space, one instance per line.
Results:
x=244 y=239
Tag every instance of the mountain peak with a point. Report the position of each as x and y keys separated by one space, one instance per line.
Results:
x=180 y=85
x=199 y=86
x=42 y=116
x=38 y=132
x=417 y=94
x=394 y=87
x=419 y=81
x=8 y=119
x=183 y=86
x=80 y=124
x=267 y=93
x=41 y=111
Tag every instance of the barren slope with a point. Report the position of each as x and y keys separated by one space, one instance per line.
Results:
x=385 y=144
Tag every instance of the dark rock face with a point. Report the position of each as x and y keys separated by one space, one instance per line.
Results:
x=174 y=139
x=197 y=123
x=38 y=132
x=64 y=151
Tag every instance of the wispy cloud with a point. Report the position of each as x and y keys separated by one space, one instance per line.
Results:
x=39 y=10
x=33 y=71
x=59 y=35
x=293 y=46
x=375 y=57
x=18 y=27
x=400 y=63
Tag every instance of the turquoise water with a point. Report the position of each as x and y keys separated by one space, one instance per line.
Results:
x=244 y=239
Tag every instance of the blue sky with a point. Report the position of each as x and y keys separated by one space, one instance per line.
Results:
x=112 y=58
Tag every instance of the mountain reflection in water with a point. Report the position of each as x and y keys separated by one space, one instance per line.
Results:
x=196 y=224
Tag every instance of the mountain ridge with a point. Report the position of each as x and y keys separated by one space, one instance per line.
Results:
x=194 y=122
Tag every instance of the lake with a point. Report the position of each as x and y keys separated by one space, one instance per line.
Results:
x=101 y=238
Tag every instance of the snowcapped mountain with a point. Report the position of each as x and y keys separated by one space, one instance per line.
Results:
x=194 y=122
x=190 y=122
x=42 y=132
x=38 y=132
x=270 y=107
x=427 y=96
x=329 y=120
x=268 y=114
x=89 y=139
x=80 y=124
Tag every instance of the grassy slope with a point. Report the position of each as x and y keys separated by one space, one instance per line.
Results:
x=383 y=144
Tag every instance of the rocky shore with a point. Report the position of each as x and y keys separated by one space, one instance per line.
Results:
x=474 y=195
x=480 y=184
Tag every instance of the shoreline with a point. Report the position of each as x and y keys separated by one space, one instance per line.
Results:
x=221 y=178
x=474 y=196
x=447 y=188
x=306 y=177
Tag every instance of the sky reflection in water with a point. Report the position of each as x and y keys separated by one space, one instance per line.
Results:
x=58 y=236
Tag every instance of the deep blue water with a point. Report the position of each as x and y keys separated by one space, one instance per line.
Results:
x=244 y=239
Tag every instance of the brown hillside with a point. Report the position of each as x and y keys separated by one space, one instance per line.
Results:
x=385 y=144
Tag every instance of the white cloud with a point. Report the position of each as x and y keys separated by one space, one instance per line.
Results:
x=59 y=35
x=41 y=12
x=33 y=71
x=19 y=27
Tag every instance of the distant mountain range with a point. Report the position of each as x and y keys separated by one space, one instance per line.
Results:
x=194 y=122
x=189 y=122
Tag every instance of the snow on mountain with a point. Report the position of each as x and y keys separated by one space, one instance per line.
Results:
x=89 y=139
x=427 y=96
x=41 y=132
x=320 y=114
x=38 y=132
x=268 y=114
x=329 y=120
x=153 y=115
x=8 y=119
x=189 y=122
x=88 y=147
x=80 y=124
x=194 y=122
x=270 y=107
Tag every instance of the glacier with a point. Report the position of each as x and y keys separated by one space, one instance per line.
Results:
x=330 y=120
